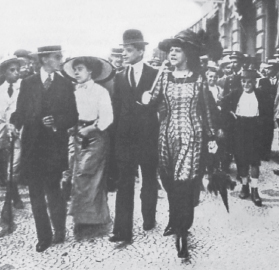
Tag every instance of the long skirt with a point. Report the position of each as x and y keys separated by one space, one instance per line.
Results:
x=89 y=193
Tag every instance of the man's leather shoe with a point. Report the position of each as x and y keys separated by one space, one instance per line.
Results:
x=43 y=245
x=59 y=237
x=245 y=192
x=169 y=231
x=119 y=238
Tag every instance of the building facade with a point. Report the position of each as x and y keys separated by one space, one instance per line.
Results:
x=249 y=26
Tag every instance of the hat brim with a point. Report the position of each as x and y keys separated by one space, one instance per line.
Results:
x=134 y=42
x=106 y=74
x=45 y=52
x=166 y=44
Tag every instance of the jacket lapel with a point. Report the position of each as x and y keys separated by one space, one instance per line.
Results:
x=37 y=94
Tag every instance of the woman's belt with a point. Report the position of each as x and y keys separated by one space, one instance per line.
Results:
x=84 y=123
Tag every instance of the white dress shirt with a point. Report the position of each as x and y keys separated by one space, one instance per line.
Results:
x=7 y=107
x=44 y=75
x=94 y=103
x=248 y=105
x=138 y=67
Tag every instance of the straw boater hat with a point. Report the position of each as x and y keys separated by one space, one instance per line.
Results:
x=47 y=50
x=116 y=51
x=225 y=61
x=105 y=74
x=133 y=36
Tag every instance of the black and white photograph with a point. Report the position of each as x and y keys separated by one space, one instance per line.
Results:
x=139 y=134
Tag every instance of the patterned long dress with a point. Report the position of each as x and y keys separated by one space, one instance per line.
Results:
x=181 y=144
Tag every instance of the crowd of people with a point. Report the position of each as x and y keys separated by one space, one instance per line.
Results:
x=89 y=124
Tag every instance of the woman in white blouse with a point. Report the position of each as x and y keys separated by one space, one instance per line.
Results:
x=249 y=107
x=89 y=194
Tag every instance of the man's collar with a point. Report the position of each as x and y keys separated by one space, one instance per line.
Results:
x=44 y=75
x=137 y=66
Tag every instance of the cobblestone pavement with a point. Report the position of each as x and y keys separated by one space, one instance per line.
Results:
x=246 y=238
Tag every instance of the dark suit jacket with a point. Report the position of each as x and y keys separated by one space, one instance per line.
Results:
x=42 y=148
x=136 y=126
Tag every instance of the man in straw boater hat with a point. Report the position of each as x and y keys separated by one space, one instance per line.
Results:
x=46 y=108
x=9 y=68
x=136 y=138
x=116 y=58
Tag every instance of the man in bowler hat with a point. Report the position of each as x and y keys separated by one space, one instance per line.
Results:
x=46 y=108
x=136 y=138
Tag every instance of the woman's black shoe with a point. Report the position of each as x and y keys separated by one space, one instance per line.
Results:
x=43 y=245
x=181 y=246
x=256 y=197
x=168 y=231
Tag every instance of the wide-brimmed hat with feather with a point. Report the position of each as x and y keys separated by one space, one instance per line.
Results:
x=182 y=38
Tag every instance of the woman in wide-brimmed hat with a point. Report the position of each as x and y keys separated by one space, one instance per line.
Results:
x=89 y=195
x=182 y=131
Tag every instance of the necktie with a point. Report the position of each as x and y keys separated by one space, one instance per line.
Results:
x=10 y=90
x=47 y=82
x=132 y=78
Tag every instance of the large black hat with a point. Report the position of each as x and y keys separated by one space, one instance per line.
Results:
x=250 y=73
x=103 y=69
x=133 y=36
x=182 y=38
x=48 y=49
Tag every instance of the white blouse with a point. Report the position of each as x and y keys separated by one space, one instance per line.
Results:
x=248 y=105
x=94 y=103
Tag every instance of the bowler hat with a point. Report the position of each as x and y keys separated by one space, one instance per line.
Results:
x=104 y=71
x=133 y=36
x=116 y=51
x=182 y=38
x=48 y=49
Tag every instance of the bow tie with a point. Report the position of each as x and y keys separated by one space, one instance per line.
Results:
x=82 y=86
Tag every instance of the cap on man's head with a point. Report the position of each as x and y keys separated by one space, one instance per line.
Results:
x=116 y=51
x=22 y=53
x=236 y=55
x=133 y=36
x=225 y=61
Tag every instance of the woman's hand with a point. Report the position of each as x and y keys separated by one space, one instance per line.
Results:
x=212 y=147
x=146 y=97
x=85 y=132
